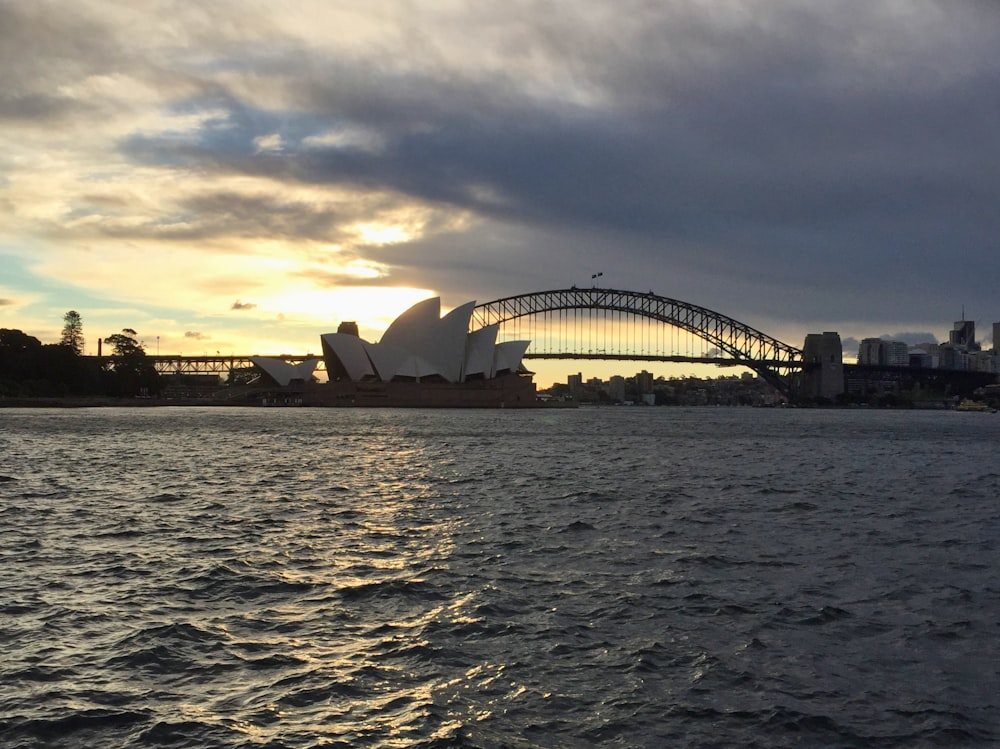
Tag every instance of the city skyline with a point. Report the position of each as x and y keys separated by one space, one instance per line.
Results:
x=960 y=346
x=241 y=178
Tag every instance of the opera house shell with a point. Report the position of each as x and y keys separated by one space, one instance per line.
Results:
x=284 y=373
x=421 y=344
x=424 y=359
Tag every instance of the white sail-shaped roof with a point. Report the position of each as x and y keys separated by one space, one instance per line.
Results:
x=283 y=372
x=350 y=352
x=304 y=370
x=415 y=366
x=413 y=327
x=446 y=350
x=387 y=359
x=507 y=355
x=479 y=351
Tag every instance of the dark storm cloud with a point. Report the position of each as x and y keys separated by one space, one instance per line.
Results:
x=40 y=51
x=913 y=338
x=769 y=154
x=237 y=214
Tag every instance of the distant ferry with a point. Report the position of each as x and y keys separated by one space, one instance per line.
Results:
x=971 y=405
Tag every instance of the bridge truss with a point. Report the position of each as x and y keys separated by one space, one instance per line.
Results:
x=222 y=365
x=599 y=323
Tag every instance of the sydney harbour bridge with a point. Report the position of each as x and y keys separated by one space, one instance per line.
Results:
x=612 y=324
x=598 y=323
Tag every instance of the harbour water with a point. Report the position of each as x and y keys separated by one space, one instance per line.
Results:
x=629 y=577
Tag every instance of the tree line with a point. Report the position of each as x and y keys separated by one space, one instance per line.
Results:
x=31 y=369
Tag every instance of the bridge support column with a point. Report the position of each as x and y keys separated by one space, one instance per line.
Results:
x=822 y=368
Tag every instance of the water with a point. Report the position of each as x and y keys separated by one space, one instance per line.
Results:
x=559 y=578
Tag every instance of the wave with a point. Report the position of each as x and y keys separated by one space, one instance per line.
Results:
x=367 y=585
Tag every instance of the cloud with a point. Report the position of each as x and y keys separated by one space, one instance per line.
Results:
x=196 y=335
x=743 y=150
x=912 y=338
x=270 y=142
x=797 y=167
x=7 y=302
x=851 y=344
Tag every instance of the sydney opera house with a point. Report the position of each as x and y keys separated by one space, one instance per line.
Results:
x=422 y=359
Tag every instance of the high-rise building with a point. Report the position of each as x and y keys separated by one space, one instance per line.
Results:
x=963 y=334
x=870 y=351
x=616 y=388
x=897 y=354
x=644 y=382
x=880 y=352
x=953 y=357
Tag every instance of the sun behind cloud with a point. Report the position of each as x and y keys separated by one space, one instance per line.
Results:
x=380 y=234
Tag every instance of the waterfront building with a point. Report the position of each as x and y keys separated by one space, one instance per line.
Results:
x=425 y=360
x=420 y=345
x=616 y=388
x=644 y=382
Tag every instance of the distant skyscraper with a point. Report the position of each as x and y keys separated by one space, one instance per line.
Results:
x=644 y=382
x=897 y=354
x=880 y=352
x=963 y=334
x=616 y=388
x=870 y=351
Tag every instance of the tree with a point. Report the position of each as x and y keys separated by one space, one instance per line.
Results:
x=19 y=360
x=130 y=371
x=72 y=332
x=126 y=348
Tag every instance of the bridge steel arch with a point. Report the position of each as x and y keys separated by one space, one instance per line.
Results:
x=776 y=362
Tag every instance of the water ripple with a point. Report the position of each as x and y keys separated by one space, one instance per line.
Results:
x=477 y=580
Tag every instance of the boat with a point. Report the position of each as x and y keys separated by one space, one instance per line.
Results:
x=968 y=404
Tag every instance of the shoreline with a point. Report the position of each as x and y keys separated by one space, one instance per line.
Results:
x=109 y=402
x=72 y=402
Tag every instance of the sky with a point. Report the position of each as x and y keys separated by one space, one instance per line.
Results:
x=241 y=176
